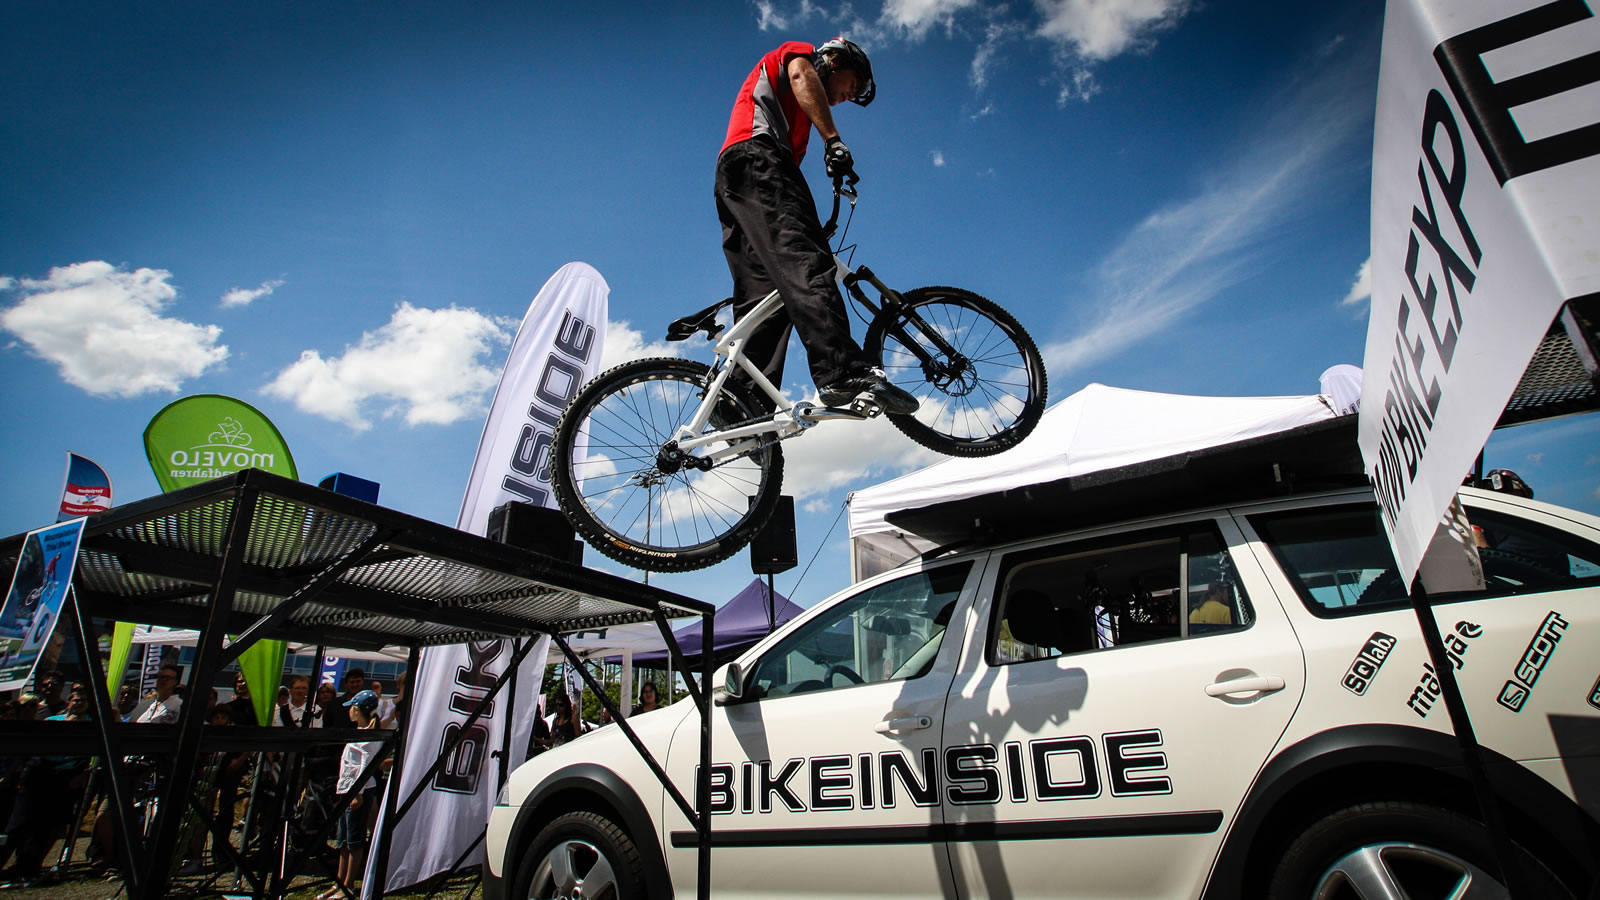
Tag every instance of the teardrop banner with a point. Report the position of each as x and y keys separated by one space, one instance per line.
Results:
x=208 y=436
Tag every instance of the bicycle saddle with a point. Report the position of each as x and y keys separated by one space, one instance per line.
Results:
x=704 y=320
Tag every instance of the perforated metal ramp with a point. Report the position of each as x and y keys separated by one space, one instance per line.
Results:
x=254 y=556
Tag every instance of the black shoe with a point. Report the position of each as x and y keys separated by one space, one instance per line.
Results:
x=872 y=386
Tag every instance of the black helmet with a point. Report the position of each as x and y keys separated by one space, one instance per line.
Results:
x=843 y=54
x=1507 y=481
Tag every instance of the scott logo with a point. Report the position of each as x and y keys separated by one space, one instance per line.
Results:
x=1516 y=690
x=1365 y=667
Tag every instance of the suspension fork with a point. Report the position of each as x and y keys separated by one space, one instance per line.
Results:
x=892 y=301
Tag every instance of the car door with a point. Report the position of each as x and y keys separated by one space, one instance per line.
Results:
x=825 y=778
x=1111 y=712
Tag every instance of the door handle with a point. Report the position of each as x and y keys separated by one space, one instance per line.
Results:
x=903 y=724
x=1263 y=684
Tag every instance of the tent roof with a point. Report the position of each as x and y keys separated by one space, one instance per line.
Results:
x=738 y=624
x=1314 y=456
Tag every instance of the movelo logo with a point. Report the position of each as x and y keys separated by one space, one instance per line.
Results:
x=1514 y=695
x=1364 y=668
x=225 y=450
x=559 y=378
x=463 y=766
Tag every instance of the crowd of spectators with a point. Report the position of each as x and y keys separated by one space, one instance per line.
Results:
x=46 y=799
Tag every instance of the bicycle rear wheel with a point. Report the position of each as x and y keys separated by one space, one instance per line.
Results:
x=619 y=485
x=977 y=373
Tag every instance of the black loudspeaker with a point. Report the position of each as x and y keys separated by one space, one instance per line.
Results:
x=351 y=486
x=537 y=528
x=773 y=551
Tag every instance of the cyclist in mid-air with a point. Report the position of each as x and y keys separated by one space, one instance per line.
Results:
x=770 y=230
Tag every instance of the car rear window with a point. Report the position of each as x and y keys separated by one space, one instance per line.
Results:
x=1340 y=563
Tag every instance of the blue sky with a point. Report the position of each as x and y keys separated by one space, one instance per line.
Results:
x=338 y=212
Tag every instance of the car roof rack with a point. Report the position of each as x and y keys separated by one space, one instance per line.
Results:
x=1315 y=457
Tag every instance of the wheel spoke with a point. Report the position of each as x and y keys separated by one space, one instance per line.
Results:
x=600 y=881
x=1364 y=872
x=626 y=489
x=982 y=397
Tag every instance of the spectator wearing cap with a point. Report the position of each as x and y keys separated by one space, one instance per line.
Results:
x=351 y=836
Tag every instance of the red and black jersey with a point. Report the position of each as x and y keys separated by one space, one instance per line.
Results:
x=767 y=104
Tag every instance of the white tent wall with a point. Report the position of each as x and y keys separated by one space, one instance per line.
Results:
x=1095 y=429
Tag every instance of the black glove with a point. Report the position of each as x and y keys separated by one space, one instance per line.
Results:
x=838 y=161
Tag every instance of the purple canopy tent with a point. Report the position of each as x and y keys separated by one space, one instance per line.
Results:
x=738 y=624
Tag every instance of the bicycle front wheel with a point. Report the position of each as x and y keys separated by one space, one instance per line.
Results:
x=621 y=485
x=977 y=374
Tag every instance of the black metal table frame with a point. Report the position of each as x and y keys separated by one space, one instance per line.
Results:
x=164 y=571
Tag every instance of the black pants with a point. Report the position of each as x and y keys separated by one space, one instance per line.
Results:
x=773 y=241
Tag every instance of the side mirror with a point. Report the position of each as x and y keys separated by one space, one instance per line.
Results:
x=729 y=681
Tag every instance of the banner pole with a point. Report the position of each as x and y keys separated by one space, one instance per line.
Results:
x=1471 y=751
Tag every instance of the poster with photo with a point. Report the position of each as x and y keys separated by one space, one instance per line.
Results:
x=33 y=604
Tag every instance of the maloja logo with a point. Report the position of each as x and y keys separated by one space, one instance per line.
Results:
x=1364 y=668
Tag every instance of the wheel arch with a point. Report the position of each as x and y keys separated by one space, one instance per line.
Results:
x=1342 y=766
x=588 y=787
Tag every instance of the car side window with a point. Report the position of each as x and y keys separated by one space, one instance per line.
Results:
x=888 y=632
x=1073 y=598
x=1340 y=563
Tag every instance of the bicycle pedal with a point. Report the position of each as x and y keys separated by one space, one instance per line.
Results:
x=865 y=408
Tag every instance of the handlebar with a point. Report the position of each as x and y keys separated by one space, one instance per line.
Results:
x=840 y=189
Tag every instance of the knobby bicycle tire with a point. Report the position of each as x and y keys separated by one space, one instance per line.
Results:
x=983 y=399
x=631 y=505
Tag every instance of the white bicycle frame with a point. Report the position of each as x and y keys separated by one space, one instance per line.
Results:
x=790 y=418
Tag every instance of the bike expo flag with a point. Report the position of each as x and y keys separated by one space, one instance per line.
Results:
x=1485 y=186
x=86 y=489
x=39 y=586
x=206 y=436
x=556 y=351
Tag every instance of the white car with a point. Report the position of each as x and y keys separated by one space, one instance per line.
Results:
x=1226 y=702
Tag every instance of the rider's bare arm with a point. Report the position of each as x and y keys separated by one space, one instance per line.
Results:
x=812 y=96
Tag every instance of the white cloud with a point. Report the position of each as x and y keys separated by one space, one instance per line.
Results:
x=914 y=17
x=1185 y=254
x=938 y=158
x=846 y=454
x=1078 y=34
x=769 y=16
x=1362 y=289
x=1097 y=30
x=245 y=296
x=624 y=344
x=105 y=329
x=1536 y=458
x=424 y=365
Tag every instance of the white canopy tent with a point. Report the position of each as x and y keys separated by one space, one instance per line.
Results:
x=1095 y=429
x=188 y=637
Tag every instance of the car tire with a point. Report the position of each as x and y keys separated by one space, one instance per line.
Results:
x=581 y=850
x=1422 y=849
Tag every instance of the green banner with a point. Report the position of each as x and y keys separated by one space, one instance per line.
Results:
x=262 y=667
x=121 y=643
x=208 y=436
